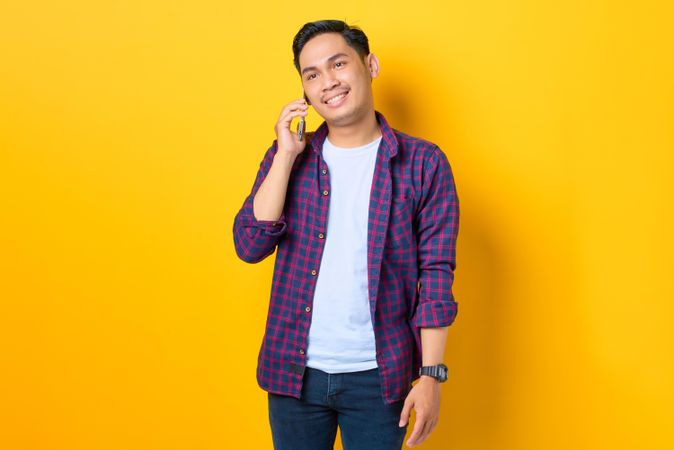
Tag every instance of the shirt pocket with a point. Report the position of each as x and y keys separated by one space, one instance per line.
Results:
x=400 y=223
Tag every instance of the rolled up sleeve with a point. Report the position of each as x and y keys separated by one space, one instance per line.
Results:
x=438 y=226
x=254 y=239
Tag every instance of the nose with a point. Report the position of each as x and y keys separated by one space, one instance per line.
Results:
x=329 y=82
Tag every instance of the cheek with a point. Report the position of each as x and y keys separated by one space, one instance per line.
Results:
x=313 y=97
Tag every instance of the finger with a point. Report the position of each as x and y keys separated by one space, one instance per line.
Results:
x=294 y=112
x=405 y=414
x=416 y=433
x=289 y=121
x=288 y=118
x=425 y=431
x=293 y=106
x=432 y=427
x=299 y=101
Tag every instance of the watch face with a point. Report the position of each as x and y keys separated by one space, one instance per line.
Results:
x=442 y=372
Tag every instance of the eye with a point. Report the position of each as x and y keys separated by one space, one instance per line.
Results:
x=310 y=77
x=337 y=64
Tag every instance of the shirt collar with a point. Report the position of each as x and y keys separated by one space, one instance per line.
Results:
x=389 y=142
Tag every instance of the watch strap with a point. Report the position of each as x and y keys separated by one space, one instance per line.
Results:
x=439 y=371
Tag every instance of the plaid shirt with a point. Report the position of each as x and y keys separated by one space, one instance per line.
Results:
x=412 y=229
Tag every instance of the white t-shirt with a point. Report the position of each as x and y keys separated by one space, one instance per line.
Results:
x=341 y=335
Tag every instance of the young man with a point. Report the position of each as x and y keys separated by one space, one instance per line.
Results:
x=364 y=219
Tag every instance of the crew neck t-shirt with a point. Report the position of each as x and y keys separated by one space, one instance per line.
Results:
x=341 y=335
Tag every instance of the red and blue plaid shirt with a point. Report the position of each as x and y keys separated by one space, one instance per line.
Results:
x=413 y=223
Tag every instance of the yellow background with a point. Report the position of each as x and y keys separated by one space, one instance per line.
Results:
x=130 y=133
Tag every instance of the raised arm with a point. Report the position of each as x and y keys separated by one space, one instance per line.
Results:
x=261 y=221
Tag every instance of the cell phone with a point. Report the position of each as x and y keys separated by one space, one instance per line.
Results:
x=302 y=124
x=300 y=129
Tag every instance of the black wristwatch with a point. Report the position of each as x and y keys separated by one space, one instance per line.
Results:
x=439 y=372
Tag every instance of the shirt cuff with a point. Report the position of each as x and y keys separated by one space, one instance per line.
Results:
x=269 y=227
x=436 y=314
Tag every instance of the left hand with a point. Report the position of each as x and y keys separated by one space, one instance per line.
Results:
x=425 y=399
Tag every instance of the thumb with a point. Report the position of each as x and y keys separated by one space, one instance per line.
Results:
x=405 y=415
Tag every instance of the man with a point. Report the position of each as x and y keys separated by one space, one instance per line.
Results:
x=364 y=219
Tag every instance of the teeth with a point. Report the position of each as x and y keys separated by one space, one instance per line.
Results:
x=334 y=99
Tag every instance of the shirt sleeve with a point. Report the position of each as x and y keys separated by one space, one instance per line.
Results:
x=254 y=239
x=438 y=226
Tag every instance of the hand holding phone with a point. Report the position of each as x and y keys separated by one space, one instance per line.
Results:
x=289 y=141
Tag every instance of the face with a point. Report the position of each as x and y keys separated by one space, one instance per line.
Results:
x=336 y=80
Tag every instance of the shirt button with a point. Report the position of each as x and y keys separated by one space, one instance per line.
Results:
x=324 y=171
x=301 y=351
x=307 y=309
x=313 y=272
x=320 y=235
x=325 y=192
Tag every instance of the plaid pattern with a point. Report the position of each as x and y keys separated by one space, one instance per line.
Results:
x=412 y=230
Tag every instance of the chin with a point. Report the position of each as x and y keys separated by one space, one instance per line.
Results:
x=343 y=117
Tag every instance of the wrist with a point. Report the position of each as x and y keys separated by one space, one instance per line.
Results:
x=427 y=379
x=285 y=156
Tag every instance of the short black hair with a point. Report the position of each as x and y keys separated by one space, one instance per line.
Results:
x=354 y=37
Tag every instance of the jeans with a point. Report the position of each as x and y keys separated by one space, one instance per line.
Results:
x=352 y=400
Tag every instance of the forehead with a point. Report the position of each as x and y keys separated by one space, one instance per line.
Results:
x=319 y=48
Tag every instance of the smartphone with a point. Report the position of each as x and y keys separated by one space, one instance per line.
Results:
x=302 y=124
x=300 y=128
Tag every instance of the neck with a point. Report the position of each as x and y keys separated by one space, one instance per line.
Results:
x=356 y=134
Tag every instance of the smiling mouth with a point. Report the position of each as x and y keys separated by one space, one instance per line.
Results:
x=336 y=99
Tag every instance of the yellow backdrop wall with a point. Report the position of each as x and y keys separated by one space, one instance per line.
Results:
x=131 y=131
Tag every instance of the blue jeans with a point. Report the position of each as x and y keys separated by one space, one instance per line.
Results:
x=352 y=400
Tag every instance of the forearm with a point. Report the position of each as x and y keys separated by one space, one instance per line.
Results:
x=270 y=198
x=433 y=345
x=256 y=236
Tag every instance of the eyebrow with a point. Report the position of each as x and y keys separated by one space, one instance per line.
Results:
x=333 y=57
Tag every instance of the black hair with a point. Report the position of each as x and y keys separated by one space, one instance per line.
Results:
x=354 y=37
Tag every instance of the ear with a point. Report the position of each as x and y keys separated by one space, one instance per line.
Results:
x=372 y=63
